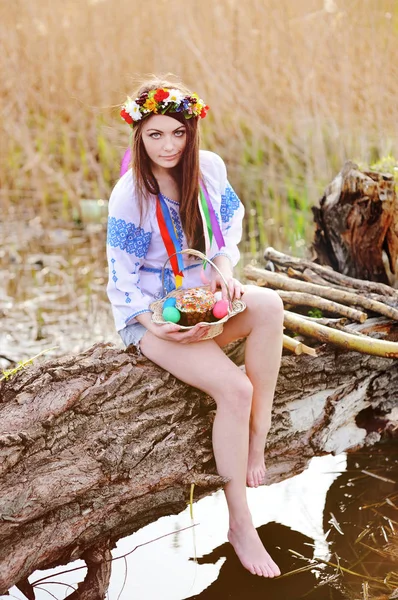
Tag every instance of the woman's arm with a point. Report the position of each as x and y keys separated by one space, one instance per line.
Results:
x=128 y=242
x=231 y=213
x=235 y=287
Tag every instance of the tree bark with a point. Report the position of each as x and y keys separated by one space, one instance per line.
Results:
x=95 y=446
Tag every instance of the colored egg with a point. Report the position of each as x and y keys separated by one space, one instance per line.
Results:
x=220 y=309
x=170 y=313
x=169 y=302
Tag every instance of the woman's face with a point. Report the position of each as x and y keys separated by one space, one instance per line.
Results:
x=164 y=139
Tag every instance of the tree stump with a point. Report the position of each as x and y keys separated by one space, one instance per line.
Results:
x=357 y=226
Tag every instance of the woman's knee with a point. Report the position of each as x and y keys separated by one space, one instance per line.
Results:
x=236 y=395
x=265 y=304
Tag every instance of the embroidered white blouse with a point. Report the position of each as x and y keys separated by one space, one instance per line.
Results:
x=136 y=252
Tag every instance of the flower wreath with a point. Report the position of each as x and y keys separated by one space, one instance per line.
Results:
x=162 y=101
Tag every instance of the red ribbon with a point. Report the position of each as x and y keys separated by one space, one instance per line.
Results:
x=167 y=239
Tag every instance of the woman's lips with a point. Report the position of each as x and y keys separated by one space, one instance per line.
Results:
x=170 y=157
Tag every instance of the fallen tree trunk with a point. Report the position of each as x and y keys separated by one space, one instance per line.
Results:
x=95 y=446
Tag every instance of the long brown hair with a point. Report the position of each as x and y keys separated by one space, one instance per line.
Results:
x=186 y=174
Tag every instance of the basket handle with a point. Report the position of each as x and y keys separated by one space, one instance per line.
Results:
x=203 y=257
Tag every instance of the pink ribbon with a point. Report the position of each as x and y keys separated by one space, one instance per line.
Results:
x=125 y=162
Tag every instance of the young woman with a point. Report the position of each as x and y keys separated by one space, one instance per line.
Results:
x=157 y=201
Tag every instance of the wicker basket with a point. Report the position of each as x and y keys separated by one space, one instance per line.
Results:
x=215 y=328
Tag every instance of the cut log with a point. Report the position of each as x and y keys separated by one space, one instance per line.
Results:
x=279 y=282
x=342 y=339
x=296 y=346
x=302 y=299
x=95 y=446
x=284 y=261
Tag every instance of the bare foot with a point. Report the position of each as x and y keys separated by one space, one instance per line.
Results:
x=251 y=552
x=255 y=467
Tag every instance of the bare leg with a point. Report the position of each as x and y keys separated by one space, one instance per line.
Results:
x=205 y=366
x=262 y=323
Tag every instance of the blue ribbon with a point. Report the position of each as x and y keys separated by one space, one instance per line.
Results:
x=171 y=230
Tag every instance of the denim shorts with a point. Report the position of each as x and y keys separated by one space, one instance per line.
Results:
x=133 y=334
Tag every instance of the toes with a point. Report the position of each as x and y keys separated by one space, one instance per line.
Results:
x=251 y=480
x=274 y=568
x=258 y=570
x=259 y=477
x=265 y=571
x=255 y=477
x=270 y=571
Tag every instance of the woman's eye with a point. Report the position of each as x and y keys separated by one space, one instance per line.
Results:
x=155 y=136
x=179 y=133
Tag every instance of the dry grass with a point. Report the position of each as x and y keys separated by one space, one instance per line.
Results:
x=373 y=575
x=295 y=87
x=377 y=554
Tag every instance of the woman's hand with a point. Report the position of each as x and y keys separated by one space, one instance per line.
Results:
x=236 y=289
x=173 y=333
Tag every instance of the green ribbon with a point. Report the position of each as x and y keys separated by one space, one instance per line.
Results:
x=206 y=214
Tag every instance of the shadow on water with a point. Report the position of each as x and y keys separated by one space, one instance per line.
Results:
x=235 y=583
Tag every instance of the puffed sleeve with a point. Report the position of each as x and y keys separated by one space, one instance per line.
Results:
x=232 y=212
x=127 y=245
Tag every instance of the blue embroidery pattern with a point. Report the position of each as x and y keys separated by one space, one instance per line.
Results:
x=229 y=204
x=113 y=270
x=138 y=286
x=168 y=280
x=177 y=224
x=128 y=237
x=170 y=200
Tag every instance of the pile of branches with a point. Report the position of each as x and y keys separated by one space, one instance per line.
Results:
x=344 y=304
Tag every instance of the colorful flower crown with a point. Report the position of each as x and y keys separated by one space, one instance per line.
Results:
x=160 y=102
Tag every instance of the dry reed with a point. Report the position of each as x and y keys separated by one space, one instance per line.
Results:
x=295 y=86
